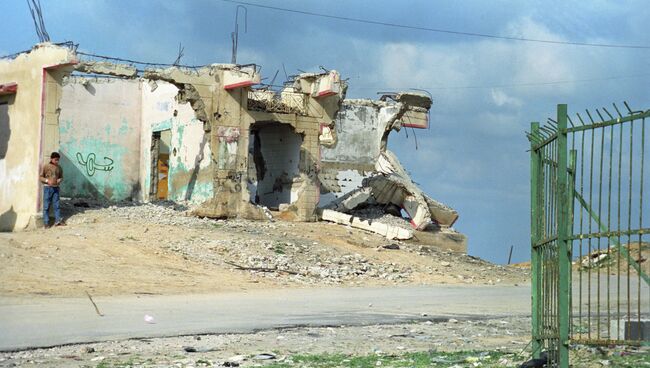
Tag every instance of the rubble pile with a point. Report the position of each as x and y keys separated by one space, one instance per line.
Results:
x=161 y=212
x=611 y=259
x=378 y=212
x=300 y=260
x=290 y=252
x=390 y=191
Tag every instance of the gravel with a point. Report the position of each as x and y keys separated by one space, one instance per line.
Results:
x=509 y=334
x=287 y=251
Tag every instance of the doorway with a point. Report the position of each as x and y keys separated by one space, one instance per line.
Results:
x=274 y=155
x=160 y=149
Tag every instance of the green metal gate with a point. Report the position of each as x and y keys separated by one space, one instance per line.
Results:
x=588 y=231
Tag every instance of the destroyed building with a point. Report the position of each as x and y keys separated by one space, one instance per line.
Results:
x=209 y=135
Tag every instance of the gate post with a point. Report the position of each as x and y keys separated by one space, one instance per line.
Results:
x=563 y=232
x=535 y=165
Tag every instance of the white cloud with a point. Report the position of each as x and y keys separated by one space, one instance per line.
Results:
x=500 y=98
x=451 y=68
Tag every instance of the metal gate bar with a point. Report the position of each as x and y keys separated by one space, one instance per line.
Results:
x=587 y=206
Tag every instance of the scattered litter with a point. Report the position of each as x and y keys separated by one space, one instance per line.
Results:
x=149 y=319
x=264 y=356
x=94 y=305
x=391 y=246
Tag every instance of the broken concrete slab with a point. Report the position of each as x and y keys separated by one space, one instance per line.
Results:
x=414 y=99
x=404 y=190
x=351 y=200
x=441 y=213
x=240 y=77
x=107 y=68
x=389 y=231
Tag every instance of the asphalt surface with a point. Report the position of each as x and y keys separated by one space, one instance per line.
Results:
x=48 y=321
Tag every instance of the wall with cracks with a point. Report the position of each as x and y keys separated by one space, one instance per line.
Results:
x=361 y=129
x=235 y=150
x=99 y=138
x=189 y=176
x=30 y=87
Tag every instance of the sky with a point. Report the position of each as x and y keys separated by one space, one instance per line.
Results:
x=486 y=91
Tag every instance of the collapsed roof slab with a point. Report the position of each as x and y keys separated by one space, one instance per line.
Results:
x=362 y=129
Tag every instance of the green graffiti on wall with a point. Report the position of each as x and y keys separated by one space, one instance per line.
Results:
x=91 y=164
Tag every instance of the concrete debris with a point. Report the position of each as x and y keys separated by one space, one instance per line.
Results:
x=360 y=172
x=187 y=83
x=393 y=187
x=594 y=260
x=240 y=151
x=352 y=200
x=389 y=231
x=396 y=187
x=107 y=68
x=414 y=99
x=391 y=246
x=237 y=77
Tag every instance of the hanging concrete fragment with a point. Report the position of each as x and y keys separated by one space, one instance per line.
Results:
x=359 y=171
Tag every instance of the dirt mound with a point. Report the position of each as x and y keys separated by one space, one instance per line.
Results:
x=159 y=248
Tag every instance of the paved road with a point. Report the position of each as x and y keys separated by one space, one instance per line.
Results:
x=45 y=322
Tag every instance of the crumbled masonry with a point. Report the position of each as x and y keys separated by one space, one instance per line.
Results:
x=209 y=136
x=106 y=68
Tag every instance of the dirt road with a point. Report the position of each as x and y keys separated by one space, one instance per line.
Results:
x=42 y=322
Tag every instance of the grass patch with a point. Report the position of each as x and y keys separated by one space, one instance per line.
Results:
x=129 y=363
x=415 y=360
x=278 y=248
x=581 y=357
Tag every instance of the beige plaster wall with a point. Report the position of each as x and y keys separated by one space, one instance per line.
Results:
x=19 y=169
x=99 y=138
x=190 y=171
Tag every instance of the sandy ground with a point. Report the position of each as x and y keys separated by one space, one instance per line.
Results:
x=116 y=251
x=155 y=249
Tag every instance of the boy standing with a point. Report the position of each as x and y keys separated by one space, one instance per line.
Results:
x=51 y=177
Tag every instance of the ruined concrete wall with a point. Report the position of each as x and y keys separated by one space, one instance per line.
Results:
x=99 y=132
x=360 y=128
x=190 y=168
x=22 y=130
